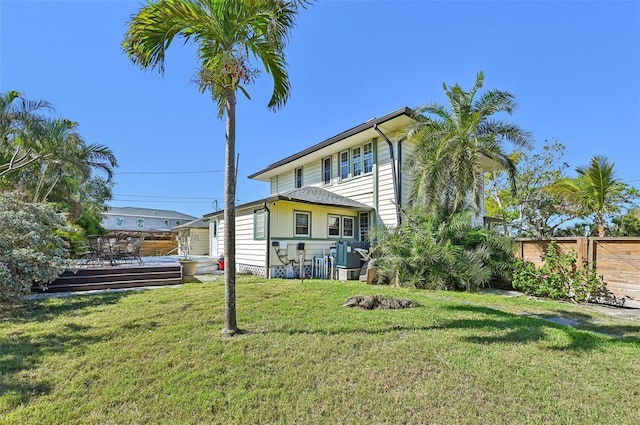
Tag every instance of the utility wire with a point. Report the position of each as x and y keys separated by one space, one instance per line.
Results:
x=168 y=172
x=167 y=197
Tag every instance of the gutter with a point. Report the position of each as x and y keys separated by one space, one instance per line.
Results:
x=268 y=256
x=394 y=174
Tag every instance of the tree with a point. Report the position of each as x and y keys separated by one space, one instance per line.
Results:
x=228 y=34
x=596 y=192
x=627 y=224
x=453 y=145
x=30 y=250
x=530 y=211
x=19 y=119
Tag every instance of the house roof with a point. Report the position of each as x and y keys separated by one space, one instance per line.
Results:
x=368 y=125
x=149 y=212
x=307 y=195
x=193 y=224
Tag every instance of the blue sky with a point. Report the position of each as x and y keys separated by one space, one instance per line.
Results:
x=574 y=68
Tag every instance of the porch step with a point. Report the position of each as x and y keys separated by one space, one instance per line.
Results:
x=91 y=279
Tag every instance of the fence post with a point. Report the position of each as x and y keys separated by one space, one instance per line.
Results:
x=582 y=252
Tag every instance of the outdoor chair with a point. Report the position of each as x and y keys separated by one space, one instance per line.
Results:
x=130 y=250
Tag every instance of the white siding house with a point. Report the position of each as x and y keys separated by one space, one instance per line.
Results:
x=334 y=190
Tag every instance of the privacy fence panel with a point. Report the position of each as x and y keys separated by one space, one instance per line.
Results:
x=617 y=260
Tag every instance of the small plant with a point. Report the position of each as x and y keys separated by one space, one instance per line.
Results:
x=558 y=278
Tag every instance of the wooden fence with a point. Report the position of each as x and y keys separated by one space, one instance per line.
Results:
x=617 y=260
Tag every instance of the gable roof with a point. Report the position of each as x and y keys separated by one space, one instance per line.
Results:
x=307 y=195
x=193 y=224
x=148 y=212
x=368 y=125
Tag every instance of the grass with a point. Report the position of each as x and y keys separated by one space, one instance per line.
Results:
x=158 y=356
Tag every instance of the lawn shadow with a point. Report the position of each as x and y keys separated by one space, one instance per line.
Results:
x=520 y=329
x=22 y=351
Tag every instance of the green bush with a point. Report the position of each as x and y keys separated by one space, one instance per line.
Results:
x=438 y=251
x=30 y=250
x=558 y=278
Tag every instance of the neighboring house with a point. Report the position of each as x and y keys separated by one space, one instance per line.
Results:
x=147 y=220
x=333 y=191
x=193 y=237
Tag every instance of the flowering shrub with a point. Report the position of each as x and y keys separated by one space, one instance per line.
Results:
x=30 y=250
x=558 y=278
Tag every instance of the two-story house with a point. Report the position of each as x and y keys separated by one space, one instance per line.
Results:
x=334 y=190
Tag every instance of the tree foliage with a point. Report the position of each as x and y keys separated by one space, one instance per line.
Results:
x=30 y=250
x=596 y=193
x=439 y=251
x=458 y=142
x=48 y=160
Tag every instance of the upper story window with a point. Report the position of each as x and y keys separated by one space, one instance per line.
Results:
x=141 y=222
x=302 y=226
x=166 y=223
x=326 y=170
x=119 y=222
x=356 y=160
x=298 y=177
x=344 y=165
x=368 y=157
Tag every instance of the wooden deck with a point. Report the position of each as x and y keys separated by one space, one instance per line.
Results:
x=90 y=279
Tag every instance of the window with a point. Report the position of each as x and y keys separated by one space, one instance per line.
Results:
x=302 y=224
x=334 y=226
x=347 y=227
x=356 y=156
x=166 y=223
x=364 y=226
x=339 y=226
x=298 y=177
x=344 y=165
x=259 y=224
x=368 y=157
x=326 y=170
x=141 y=222
x=178 y=222
x=119 y=222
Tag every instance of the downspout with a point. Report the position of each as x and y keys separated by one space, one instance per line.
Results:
x=394 y=176
x=268 y=256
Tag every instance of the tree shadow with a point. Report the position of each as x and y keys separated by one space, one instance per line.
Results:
x=526 y=329
x=22 y=351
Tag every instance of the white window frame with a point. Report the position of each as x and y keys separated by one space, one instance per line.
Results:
x=344 y=227
x=356 y=161
x=119 y=222
x=295 y=224
x=364 y=158
x=333 y=217
x=140 y=223
x=344 y=167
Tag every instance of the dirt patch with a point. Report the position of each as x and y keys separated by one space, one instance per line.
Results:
x=371 y=302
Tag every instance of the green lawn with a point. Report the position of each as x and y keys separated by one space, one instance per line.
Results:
x=158 y=357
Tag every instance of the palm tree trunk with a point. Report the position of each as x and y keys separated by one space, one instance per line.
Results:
x=230 y=324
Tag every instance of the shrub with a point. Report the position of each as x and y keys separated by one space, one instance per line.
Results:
x=30 y=250
x=558 y=278
x=438 y=251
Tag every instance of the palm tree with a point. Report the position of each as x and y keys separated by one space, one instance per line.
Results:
x=228 y=33
x=453 y=145
x=18 y=122
x=595 y=190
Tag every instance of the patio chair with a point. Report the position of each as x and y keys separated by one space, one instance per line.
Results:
x=131 y=250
